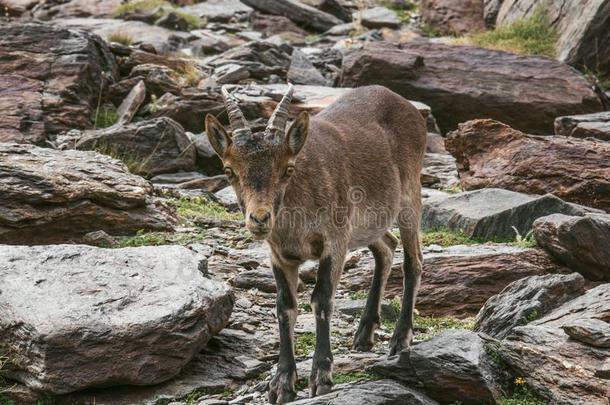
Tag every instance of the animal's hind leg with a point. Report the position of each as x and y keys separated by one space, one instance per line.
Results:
x=408 y=224
x=383 y=252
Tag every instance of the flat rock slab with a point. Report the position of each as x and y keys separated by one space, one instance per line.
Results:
x=382 y=392
x=377 y=17
x=491 y=154
x=53 y=196
x=595 y=125
x=461 y=83
x=450 y=367
x=50 y=79
x=491 y=213
x=525 y=300
x=581 y=243
x=563 y=368
x=75 y=316
x=297 y=11
x=219 y=10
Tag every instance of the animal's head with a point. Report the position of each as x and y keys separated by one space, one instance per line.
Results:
x=258 y=165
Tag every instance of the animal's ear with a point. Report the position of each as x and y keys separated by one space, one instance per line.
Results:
x=219 y=139
x=297 y=133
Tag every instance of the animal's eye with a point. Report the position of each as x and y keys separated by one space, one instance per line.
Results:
x=289 y=171
x=229 y=172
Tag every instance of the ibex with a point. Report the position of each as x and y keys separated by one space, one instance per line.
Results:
x=335 y=182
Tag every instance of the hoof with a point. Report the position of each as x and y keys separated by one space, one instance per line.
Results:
x=281 y=388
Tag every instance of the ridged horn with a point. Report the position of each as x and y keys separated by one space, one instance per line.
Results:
x=238 y=122
x=280 y=115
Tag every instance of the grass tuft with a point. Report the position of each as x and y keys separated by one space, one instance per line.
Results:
x=105 y=116
x=446 y=238
x=353 y=376
x=190 y=208
x=304 y=343
x=527 y=241
x=141 y=5
x=522 y=395
x=432 y=326
x=533 y=35
x=160 y=238
x=120 y=38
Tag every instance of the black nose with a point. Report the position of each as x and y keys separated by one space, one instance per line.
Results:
x=260 y=219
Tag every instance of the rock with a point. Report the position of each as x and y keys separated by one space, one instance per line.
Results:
x=75 y=8
x=302 y=71
x=334 y=7
x=382 y=392
x=163 y=40
x=490 y=11
x=130 y=106
x=593 y=332
x=453 y=17
x=442 y=167
x=270 y=25
x=450 y=367
x=457 y=281
x=584 y=126
x=558 y=368
x=462 y=83
x=51 y=80
x=491 y=213
x=582 y=28
x=219 y=10
x=491 y=154
x=148 y=148
x=228 y=198
x=157 y=79
x=526 y=300
x=207 y=159
x=356 y=307
x=581 y=243
x=187 y=109
x=262 y=280
x=377 y=17
x=83 y=310
x=52 y=196
x=297 y=11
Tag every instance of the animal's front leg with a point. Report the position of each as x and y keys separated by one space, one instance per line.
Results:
x=281 y=388
x=322 y=300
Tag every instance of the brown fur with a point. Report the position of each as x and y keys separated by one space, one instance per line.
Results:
x=362 y=159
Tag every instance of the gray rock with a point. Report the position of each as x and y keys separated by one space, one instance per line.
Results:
x=583 y=37
x=560 y=369
x=334 y=7
x=450 y=367
x=262 y=280
x=131 y=104
x=525 y=300
x=594 y=332
x=355 y=308
x=491 y=213
x=298 y=12
x=382 y=392
x=148 y=148
x=71 y=313
x=453 y=17
x=52 y=196
x=228 y=198
x=442 y=167
x=219 y=10
x=582 y=243
x=302 y=71
x=595 y=125
x=377 y=17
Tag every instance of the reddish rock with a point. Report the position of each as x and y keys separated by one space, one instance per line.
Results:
x=461 y=83
x=453 y=16
x=491 y=154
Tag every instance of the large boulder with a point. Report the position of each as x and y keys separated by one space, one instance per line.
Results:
x=492 y=213
x=564 y=368
x=219 y=10
x=491 y=154
x=450 y=367
x=148 y=148
x=74 y=316
x=584 y=38
x=526 y=300
x=297 y=11
x=453 y=17
x=595 y=125
x=457 y=281
x=461 y=83
x=52 y=196
x=51 y=78
x=581 y=243
x=382 y=392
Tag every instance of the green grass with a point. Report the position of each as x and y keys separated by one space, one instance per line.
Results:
x=190 y=208
x=120 y=38
x=193 y=21
x=165 y=7
x=434 y=326
x=527 y=241
x=304 y=343
x=533 y=36
x=160 y=238
x=521 y=396
x=353 y=376
x=105 y=116
x=446 y=238
x=404 y=13
x=358 y=295
x=135 y=164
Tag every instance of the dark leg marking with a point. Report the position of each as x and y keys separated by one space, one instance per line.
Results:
x=320 y=380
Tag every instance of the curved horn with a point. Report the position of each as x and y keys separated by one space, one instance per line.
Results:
x=236 y=117
x=280 y=115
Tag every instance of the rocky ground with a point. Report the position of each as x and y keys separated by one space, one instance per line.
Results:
x=126 y=276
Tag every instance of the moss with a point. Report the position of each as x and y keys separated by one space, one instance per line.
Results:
x=522 y=395
x=304 y=343
x=190 y=208
x=358 y=295
x=446 y=238
x=533 y=35
x=160 y=238
x=433 y=326
x=304 y=307
x=353 y=376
